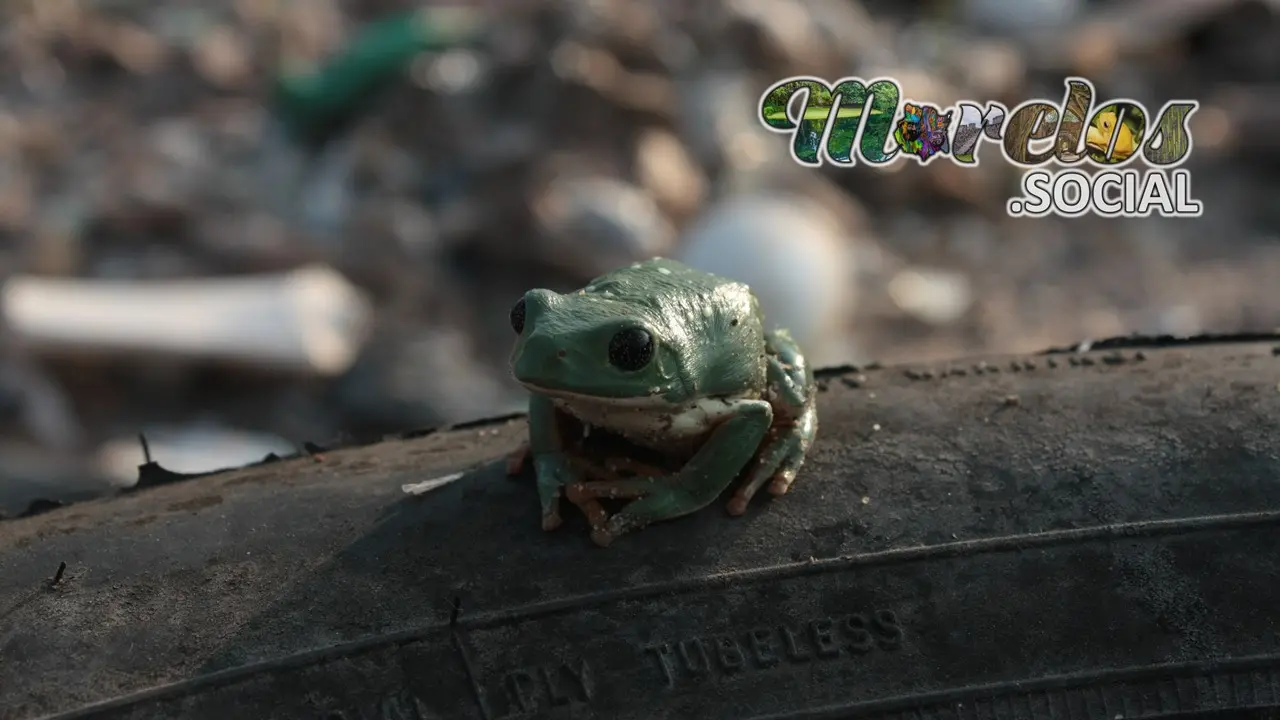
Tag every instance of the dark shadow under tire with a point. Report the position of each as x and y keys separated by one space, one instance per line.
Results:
x=1092 y=536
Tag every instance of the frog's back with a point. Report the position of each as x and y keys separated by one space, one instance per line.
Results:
x=672 y=289
x=643 y=281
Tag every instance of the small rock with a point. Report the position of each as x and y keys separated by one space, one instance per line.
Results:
x=180 y=142
x=598 y=223
x=326 y=194
x=17 y=197
x=666 y=169
x=992 y=68
x=223 y=57
x=718 y=120
x=785 y=24
x=310 y=31
x=257 y=13
x=852 y=31
x=136 y=49
x=1011 y=16
x=937 y=297
x=413 y=226
x=449 y=73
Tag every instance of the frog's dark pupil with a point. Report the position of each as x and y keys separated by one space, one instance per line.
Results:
x=631 y=349
x=517 y=317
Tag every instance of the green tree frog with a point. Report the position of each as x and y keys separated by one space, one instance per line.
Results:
x=674 y=361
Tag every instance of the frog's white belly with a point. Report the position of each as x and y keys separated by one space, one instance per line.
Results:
x=653 y=425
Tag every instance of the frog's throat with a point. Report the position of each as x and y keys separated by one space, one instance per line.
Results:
x=652 y=400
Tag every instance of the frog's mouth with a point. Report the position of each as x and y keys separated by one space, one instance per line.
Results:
x=654 y=399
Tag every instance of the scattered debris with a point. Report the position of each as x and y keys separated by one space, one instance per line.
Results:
x=427 y=486
x=933 y=296
x=309 y=320
x=57 y=576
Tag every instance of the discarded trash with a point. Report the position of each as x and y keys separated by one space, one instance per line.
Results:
x=427 y=486
x=310 y=320
x=325 y=102
x=936 y=297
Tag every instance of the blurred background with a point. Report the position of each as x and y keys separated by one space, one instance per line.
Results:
x=241 y=225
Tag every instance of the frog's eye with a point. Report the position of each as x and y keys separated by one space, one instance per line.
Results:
x=631 y=349
x=517 y=316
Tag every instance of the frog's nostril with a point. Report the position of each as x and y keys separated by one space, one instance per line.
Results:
x=561 y=354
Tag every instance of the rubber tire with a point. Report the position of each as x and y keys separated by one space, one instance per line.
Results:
x=1071 y=536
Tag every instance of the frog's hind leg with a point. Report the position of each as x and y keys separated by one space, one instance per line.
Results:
x=804 y=431
x=783 y=452
x=779 y=460
x=605 y=485
x=700 y=481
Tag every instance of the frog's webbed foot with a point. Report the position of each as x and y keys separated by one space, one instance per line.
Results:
x=549 y=491
x=779 y=460
x=702 y=479
x=653 y=499
x=605 y=481
x=587 y=496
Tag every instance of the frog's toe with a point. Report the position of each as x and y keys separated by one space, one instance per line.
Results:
x=781 y=482
x=772 y=459
x=551 y=519
x=786 y=472
x=602 y=536
x=579 y=494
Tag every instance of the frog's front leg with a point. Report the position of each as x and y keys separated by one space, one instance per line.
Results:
x=551 y=464
x=729 y=448
x=795 y=423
